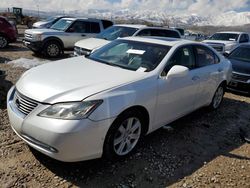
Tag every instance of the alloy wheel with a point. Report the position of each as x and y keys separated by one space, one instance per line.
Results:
x=127 y=136
x=218 y=97
x=3 y=42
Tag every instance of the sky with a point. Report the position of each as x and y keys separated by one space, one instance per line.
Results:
x=201 y=7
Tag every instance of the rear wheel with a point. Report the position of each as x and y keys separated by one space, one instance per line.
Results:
x=124 y=135
x=52 y=49
x=218 y=97
x=3 y=41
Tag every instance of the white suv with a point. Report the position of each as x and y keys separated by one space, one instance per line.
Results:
x=86 y=46
x=63 y=35
x=227 y=41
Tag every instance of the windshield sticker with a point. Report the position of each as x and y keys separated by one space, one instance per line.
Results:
x=231 y=39
x=138 y=52
x=186 y=52
x=141 y=69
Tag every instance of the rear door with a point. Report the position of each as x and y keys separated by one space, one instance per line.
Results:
x=208 y=71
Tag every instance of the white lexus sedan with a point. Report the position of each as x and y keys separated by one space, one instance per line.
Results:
x=102 y=104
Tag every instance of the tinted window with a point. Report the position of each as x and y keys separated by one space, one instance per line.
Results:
x=80 y=27
x=95 y=27
x=159 y=32
x=205 y=56
x=114 y=32
x=106 y=23
x=244 y=38
x=225 y=36
x=183 y=56
x=241 y=54
x=131 y=55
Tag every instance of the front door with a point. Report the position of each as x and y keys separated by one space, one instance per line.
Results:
x=176 y=96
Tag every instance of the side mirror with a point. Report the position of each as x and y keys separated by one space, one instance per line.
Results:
x=177 y=71
x=226 y=54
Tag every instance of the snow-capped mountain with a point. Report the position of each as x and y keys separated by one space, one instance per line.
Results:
x=226 y=19
x=231 y=18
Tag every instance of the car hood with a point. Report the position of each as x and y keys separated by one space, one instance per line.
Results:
x=219 y=42
x=240 y=66
x=42 y=31
x=37 y=24
x=91 y=43
x=72 y=79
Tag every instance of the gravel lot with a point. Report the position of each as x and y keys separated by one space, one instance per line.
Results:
x=203 y=150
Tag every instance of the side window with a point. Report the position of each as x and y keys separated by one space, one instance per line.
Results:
x=144 y=32
x=183 y=56
x=169 y=33
x=95 y=27
x=80 y=27
x=106 y=23
x=247 y=37
x=204 y=56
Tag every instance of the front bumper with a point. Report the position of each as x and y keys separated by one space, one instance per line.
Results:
x=34 y=46
x=64 y=140
x=237 y=86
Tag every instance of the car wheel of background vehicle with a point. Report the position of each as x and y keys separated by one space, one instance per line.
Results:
x=124 y=135
x=52 y=49
x=218 y=97
x=3 y=41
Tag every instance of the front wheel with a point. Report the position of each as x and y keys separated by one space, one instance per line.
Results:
x=52 y=49
x=218 y=97
x=124 y=135
x=3 y=41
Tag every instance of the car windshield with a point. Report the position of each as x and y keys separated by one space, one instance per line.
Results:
x=132 y=55
x=50 y=19
x=224 y=36
x=114 y=32
x=241 y=54
x=62 y=24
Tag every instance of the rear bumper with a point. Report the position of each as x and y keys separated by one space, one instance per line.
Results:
x=34 y=46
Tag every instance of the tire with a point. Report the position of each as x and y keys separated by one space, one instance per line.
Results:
x=3 y=41
x=124 y=135
x=217 y=98
x=53 y=49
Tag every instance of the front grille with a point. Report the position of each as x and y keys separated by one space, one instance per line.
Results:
x=24 y=104
x=28 y=36
x=81 y=51
x=241 y=77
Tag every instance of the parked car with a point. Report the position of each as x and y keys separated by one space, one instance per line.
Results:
x=62 y=35
x=48 y=22
x=86 y=46
x=227 y=41
x=240 y=59
x=102 y=104
x=8 y=32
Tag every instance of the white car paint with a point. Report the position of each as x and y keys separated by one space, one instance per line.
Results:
x=226 y=46
x=91 y=44
x=166 y=98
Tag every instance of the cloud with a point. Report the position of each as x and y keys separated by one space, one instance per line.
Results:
x=201 y=7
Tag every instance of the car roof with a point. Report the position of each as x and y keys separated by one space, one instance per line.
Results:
x=232 y=32
x=160 y=40
x=73 y=19
x=137 y=26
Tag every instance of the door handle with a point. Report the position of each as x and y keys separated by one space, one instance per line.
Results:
x=83 y=35
x=195 y=78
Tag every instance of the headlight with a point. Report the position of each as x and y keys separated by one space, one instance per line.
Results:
x=38 y=37
x=229 y=47
x=74 y=110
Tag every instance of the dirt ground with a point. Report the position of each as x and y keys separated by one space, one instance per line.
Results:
x=203 y=150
